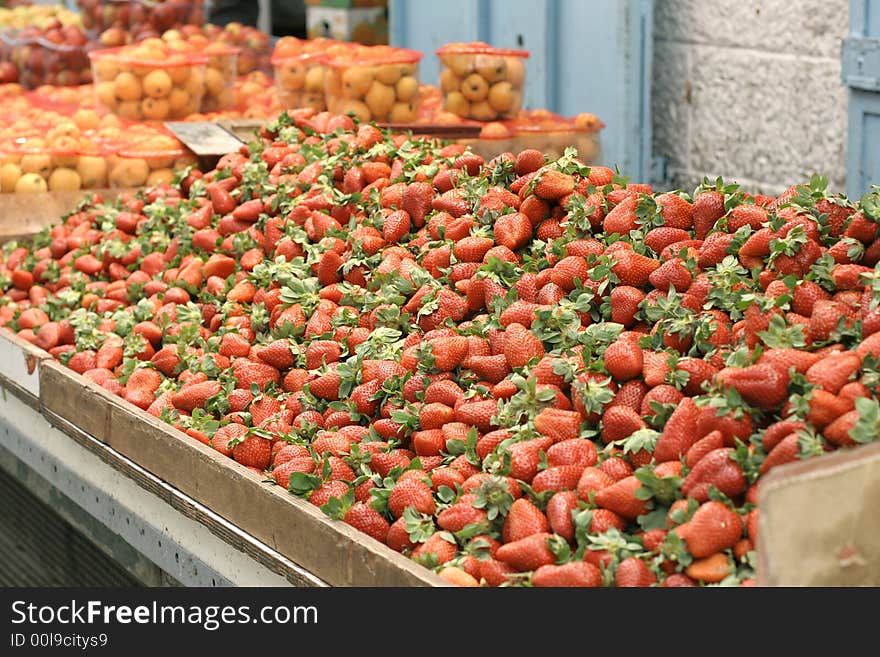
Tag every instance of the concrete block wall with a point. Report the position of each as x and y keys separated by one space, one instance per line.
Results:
x=751 y=90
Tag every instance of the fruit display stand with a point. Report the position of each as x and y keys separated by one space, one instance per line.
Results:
x=175 y=501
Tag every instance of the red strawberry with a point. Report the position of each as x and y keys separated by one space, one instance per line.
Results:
x=625 y=301
x=365 y=518
x=558 y=424
x=620 y=498
x=764 y=386
x=254 y=452
x=833 y=371
x=713 y=527
x=559 y=510
x=676 y=212
x=523 y=519
x=416 y=201
x=718 y=469
x=671 y=274
x=529 y=553
x=528 y=160
x=633 y=572
x=708 y=209
x=521 y=345
x=557 y=478
x=623 y=359
x=513 y=230
x=411 y=493
x=572 y=574
x=620 y=422
x=633 y=268
x=553 y=185
x=460 y=515
x=525 y=457
x=574 y=451
x=568 y=270
x=711 y=441
x=193 y=396
x=679 y=434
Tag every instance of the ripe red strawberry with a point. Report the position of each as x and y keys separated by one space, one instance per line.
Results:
x=764 y=386
x=838 y=432
x=616 y=468
x=528 y=160
x=411 y=493
x=365 y=518
x=254 y=452
x=620 y=498
x=623 y=359
x=708 y=209
x=557 y=478
x=833 y=371
x=625 y=301
x=416 y=201
x=786 y=358
x=383 y=462
x=193 y=396
x=679 y=434
x=633 y=572
x=558 y=424
x=568 y=270
x=699 y=371
x=633 y=268
x=619 y=422
x=525 y=457
x=248 y=372
x=552 y=184
x=521 y=345
x=676 y=212
x=713 y=527
x=395 y=225
x=494 y=572
x=225 y=434
x=572 y=574
x=622 y=219
x=472 y=249
x=513 y=230
x=711 y=441
x=671 y=274
x=460 y=515
x=718 y=469
x=657 y=239
x=574 y=451
x=529 y=553
x=435 y=415
x=523 y=519
x=746 y=215
x=559 y=510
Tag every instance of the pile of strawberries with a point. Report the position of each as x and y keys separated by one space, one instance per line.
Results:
x=517 y=372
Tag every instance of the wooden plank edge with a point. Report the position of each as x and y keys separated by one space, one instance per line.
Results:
x=331 y=550
x=19 y=361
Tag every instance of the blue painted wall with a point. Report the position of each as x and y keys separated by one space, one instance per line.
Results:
x=861 y=71
x=586 y=56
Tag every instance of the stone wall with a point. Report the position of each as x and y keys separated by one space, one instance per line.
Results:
x=751 y=90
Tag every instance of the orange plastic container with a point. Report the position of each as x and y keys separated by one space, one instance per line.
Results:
x=377 y=83
x=481 y=82
x=148 y=162
x=221 y=73
x=143 y=83
x=299 y=81
x=69 y=164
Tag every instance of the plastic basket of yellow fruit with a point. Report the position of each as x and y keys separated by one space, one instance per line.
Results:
x=149 y=81
x=375 y=83
x=480 y=82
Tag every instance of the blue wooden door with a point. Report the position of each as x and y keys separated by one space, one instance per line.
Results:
x=861 y=73
x=585 y=57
